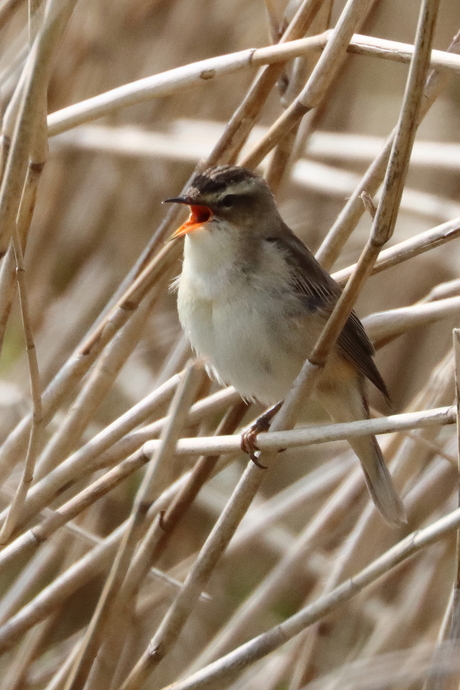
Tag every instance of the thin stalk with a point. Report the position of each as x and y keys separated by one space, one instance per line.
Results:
x=152 y=547
x=35 y=386
x=155 y=479
x=324 y=72
x=226 y=667
x=354 y=208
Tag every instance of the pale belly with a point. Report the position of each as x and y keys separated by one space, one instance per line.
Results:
x=248 y=342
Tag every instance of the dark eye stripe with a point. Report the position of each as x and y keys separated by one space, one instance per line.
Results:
x=229 y=200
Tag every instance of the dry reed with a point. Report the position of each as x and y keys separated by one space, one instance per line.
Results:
x=139 y=548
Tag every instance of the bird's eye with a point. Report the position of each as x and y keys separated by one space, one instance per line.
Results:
x=228 y=201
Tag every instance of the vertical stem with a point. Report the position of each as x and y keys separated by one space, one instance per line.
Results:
x=450 y=630
x=35 y=386
x=151 y=487
x=455 y=629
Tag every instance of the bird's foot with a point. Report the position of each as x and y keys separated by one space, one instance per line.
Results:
x=249 y=436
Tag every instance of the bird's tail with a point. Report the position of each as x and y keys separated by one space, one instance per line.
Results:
x=347 y=403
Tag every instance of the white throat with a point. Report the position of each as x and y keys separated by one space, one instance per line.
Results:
x=210 y=258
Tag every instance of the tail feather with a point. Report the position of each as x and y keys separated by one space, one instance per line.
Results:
x=347 y=403
x=378 y=480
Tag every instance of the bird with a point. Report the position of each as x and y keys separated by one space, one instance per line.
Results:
x=252 y=301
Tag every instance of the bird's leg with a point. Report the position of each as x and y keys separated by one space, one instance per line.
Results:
x=249 y=436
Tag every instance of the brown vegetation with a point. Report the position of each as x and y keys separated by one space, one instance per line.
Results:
x=115 y=490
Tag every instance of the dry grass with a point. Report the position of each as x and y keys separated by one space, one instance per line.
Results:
x=138 y=547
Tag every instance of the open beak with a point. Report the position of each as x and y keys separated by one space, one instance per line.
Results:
x=198 y=216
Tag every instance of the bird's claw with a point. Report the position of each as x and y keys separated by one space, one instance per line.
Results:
x=255 y=460
x=248 y=439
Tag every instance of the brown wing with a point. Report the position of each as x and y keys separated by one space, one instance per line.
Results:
x=319 y=292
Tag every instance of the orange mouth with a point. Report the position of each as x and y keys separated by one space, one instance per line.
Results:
x=199 y=215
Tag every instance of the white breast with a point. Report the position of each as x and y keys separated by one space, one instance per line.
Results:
x=238 y=324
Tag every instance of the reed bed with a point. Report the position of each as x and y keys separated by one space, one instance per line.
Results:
x=139 y=547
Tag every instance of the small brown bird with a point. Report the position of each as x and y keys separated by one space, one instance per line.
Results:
x=252 y=300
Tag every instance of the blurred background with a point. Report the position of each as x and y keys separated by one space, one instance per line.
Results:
x=98 y=205
x=98 y=208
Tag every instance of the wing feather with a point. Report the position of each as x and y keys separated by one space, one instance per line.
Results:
x=319 y=292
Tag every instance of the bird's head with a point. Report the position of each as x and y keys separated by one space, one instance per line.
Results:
x=227 y=198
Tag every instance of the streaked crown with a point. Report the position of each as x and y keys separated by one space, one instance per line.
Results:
x=228 y=185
